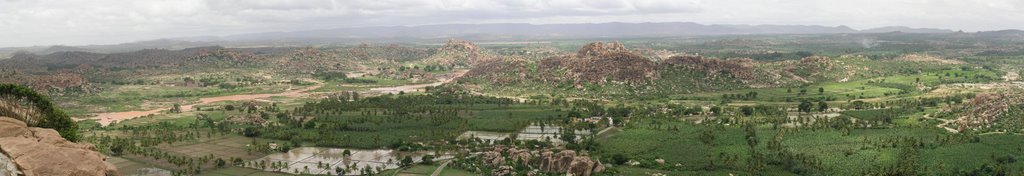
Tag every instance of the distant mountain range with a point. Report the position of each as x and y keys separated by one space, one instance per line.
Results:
x=485 y=32
x=558 y=31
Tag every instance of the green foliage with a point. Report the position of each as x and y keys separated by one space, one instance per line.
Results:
x=407 y=161
x=53 y=117
x=428 y=159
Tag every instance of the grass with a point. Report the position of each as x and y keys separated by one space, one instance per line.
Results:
x=448 y=171
x=130 y=167
x=377 y=133
x=335 y=86
x=418 y=170
x=232 y=171
x=224 y=146
x=840 y=154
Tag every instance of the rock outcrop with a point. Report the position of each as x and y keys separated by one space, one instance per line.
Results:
x=987 y=108
x=740 y=68
x=40 y=151
x=547 y=161
x=599 y=63
x=457 y=52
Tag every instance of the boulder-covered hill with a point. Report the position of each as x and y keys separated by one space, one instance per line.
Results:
x=612 y=69
x=596 y=63
x=457 y=53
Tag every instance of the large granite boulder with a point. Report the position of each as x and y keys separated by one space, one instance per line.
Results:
x=567 y=161
x=40 y=151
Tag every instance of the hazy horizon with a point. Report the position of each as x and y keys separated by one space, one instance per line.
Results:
x=81 y=22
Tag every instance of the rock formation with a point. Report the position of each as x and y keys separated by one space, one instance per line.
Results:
x=599 y=63
x=988 y=108
x=547 y=161
x=457 y=52
x=40 y=151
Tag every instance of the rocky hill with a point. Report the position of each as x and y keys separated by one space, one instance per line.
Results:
x=596 y=63
x=995 y=111
x=502 y=70
x=599 y=63
x=40 y=151
x=617 y=69
x=457 y=52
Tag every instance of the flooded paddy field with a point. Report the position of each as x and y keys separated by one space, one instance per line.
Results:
x=320 y=160
x=532 y=132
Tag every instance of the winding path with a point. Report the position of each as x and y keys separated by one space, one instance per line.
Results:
x=419 y=87
x=437 y=172
x=943 y=124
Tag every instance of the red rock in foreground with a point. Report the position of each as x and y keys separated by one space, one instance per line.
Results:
x=40 y=151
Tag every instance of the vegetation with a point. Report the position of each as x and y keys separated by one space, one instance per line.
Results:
x=746 y=105
x=49 y=116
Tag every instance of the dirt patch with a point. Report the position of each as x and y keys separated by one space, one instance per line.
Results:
x=927 y=58
x=110 y=117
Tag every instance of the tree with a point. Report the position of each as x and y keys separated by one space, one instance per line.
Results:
x=237 y=161
x=619 y=159
x=52 y=117
x=716 y=110
x=747 y=110
x=118 y=147
x=858 y=104
x=707 y=137
x=220 y=162
x=250 y=132
x=822 y=106
x=176 y=108
x=821 y=90
x=428 y=159
x=339 y=171
x=407 y=161
x=805 y=106
x=568 y=136
x=752 y=139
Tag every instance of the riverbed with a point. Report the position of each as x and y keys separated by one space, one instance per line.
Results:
x=110 y=117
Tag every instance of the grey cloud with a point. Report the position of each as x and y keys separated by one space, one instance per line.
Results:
x=46 y=22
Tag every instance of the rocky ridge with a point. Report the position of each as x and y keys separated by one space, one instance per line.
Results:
x=40 y=151
x=547 y=161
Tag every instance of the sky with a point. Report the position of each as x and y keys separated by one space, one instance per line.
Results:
x=83 y=22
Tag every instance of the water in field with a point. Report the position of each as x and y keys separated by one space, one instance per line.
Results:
x=485 y=135
x=320 y=160
x=150 y=171
x=810 y=118
x=532 y=132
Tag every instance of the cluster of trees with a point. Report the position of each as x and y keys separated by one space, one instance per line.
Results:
x=806 y=106
x=748 y=96
x=186 y=165
x=52 y=116
x=374 y=122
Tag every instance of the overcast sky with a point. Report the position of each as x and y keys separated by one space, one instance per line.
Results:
x=79 y=22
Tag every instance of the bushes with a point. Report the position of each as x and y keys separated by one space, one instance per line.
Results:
x=52 y=117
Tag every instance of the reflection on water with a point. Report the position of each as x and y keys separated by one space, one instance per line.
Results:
x=319 y=160
x=150 y=171
x=795 y=120
x=532 y=132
